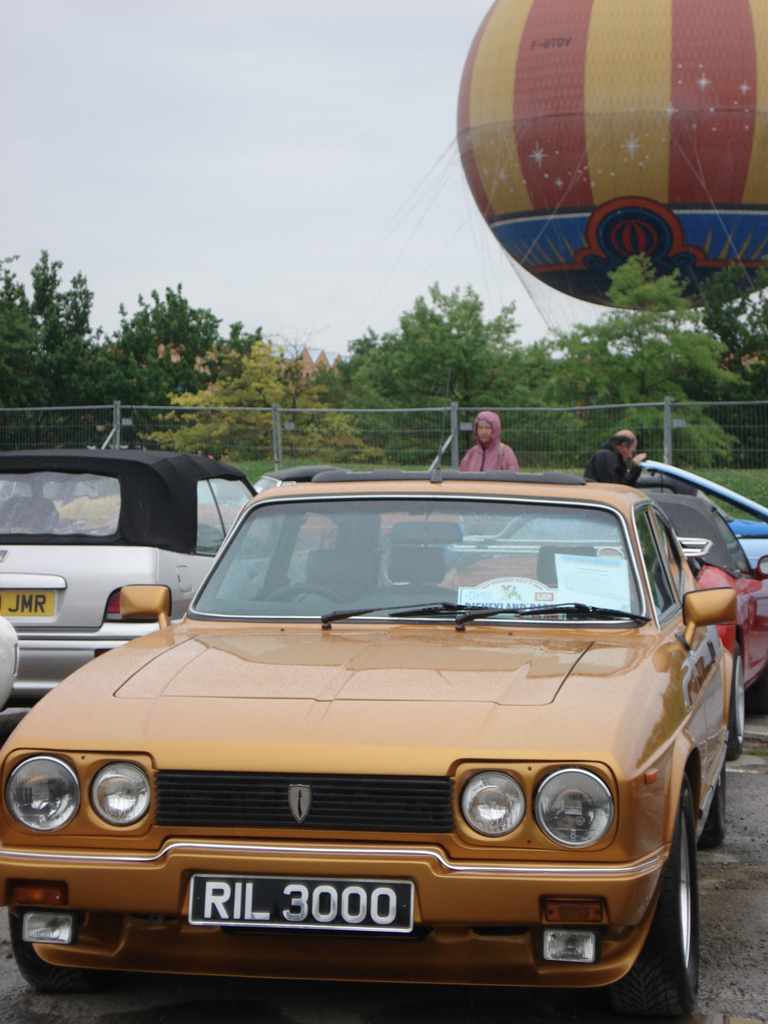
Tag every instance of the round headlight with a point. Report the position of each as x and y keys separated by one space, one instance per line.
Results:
x=120 y=793
x=493 y=803
x=43 y=793
x=574 y=807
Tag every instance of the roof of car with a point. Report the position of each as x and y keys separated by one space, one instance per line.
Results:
x=159 y=491
x=550 y=486
x=440 y=475
x=298 y=472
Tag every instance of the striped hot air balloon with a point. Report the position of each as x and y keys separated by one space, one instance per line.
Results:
x=591 y=130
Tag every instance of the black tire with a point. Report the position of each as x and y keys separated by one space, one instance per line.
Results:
x=47 y=977
x=756 y=698
x=713 y=833
x=665 y=977
x=736 y=708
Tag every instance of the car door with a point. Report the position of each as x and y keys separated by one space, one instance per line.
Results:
x=707 y=677
x=667 y=602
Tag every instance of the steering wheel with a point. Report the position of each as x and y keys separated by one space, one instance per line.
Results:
x=294 y=589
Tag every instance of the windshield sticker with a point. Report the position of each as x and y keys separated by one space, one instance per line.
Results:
x=510 y=592
x=601 y=581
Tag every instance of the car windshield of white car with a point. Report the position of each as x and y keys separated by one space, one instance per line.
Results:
x=47 y=503
x=311 y=558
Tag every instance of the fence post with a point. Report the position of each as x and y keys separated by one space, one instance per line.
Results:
x=277 y=437
x=117 y=421
x=455 y=433
x=668 y=430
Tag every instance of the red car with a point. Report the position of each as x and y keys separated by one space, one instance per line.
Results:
x=719 y=561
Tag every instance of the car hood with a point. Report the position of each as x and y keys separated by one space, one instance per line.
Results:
x=325 y=667
x=407 y=699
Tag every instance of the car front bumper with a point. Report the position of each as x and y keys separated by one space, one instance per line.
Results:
x=475 y=922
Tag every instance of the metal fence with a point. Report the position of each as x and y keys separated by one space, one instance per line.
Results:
x=714 y=438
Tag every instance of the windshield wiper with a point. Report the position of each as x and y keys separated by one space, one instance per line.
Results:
x=574 y=607
x=397 y=609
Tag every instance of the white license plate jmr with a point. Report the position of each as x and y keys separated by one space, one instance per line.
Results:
x=270 y=901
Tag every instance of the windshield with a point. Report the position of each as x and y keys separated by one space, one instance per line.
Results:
x=59 y=504
x=310 y=558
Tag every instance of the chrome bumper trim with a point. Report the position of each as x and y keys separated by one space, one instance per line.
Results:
x=645 y=866
x=76 y=644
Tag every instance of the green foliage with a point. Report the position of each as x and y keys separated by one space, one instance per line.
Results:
x=300 y=389
x=165 y=348
x=409 y=367
x=328 y=437
x=634 y=285
x=248 y=377
x=45 y=342
x=64 y=343
x=168 y=350
x=18 y=343
x=737 y=315
x=632 y=356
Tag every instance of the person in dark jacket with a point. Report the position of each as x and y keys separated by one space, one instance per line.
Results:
x=608 y=465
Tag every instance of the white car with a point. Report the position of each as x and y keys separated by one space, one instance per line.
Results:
x=9 y=660
x=77 y=525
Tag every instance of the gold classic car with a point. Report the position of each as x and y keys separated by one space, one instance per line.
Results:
x=476 y=722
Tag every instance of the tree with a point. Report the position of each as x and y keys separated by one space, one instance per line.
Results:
x=448 y=333
x=409 y=367
x=166 y=348
x=643 y=355
x=250 y=380
x=19 y=384
x=64 y=341
x=634 y=285
x=47 y=343
x=737 y=314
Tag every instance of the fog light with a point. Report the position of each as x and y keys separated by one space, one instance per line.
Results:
x=570 y=946
x=44 y=926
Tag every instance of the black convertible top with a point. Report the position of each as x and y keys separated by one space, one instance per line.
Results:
x=693 y=516
x=159 y=492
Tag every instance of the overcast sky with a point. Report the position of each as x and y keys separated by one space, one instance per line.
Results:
x=292 y=163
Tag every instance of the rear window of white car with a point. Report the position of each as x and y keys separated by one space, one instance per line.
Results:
x=59 y=504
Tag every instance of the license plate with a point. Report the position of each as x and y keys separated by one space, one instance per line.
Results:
x=27 y=602
x=268 y=901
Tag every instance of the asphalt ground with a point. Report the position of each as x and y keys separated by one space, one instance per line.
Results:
x=734 y=960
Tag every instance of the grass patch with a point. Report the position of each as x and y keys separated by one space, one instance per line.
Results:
x=752 y=483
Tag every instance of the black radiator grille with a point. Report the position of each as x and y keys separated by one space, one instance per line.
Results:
x=360 y=803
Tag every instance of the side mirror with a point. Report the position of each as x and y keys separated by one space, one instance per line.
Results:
x=761 y=570
x=146 y=602
x=708 y=608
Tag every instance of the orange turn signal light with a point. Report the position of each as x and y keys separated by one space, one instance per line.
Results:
x=40 y=894
x=573 y=911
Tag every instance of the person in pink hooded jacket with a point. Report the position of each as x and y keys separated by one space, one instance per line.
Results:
x=489 y=452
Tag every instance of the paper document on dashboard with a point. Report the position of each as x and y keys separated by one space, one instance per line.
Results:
x=596 y=581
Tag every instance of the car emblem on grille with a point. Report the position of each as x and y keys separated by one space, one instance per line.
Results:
x=299 y=800
x=2 y=555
